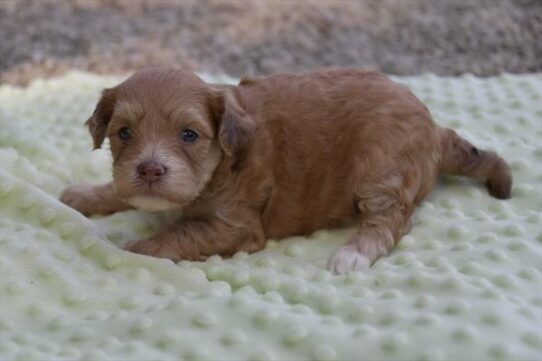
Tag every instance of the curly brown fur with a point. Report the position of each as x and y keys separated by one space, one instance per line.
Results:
x=277 y=156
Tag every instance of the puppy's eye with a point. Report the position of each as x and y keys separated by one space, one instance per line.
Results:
x=125 y=133
x=189 y=135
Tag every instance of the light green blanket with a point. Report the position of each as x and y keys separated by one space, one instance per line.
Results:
x=465 y=284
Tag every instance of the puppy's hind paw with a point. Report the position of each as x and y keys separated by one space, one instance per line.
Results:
x=348 y=259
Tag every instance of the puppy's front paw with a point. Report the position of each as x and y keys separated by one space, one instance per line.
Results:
x=346 y=259
x=82 y=198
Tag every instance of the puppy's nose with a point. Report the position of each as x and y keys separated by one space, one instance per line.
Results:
x=151 y=171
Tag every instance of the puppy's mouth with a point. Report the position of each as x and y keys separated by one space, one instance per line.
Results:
x=153 y=192
x=149 y=188
x=151 y=197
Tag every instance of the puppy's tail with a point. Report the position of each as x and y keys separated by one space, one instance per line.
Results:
x=459 y=157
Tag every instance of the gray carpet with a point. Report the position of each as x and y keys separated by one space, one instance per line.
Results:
x=40 y=38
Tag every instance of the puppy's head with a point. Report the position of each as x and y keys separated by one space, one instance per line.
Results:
x=168 y=131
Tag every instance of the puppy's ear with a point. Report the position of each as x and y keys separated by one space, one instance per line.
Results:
x=235 y=126
x=98 y=122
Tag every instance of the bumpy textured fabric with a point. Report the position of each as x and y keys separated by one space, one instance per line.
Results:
x=465 y=284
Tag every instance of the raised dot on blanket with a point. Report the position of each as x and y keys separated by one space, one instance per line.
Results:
x=390 y=318
x=328 y=304
x=74 y=299
x=433 y=244
x=266 y=282
x=424 y=301
x=324 y=353
x=240 y=279
x=163 y=289
x=85 y=244
x=458 y=232
x=513 y=230
x=204 y=320
x=195 y=354
x=504 y=281
x=47 y=216
x=215 y=272
x=264 y=317
x=392 y=294
x=233 y=337
x=529 y=274
x=296 y=291
x=6 y=188
x=471 y=268
x=66 y=229
x=141 y=325
x=167 y=340
x=260 y=356
x=112 y=262
x=487 y=238
x=14 y=288
x=80 y=336
x=130 y=302
x=432 y=354
x=294 y=250
x=531 y=339
x=500 y=351
x=265 y=262
x=394 y=343
x=273 y=297
x=294 y=335
x=496 y=255
x=57 y=323
x=26 y=201
x=464 y=334
x=456 y=307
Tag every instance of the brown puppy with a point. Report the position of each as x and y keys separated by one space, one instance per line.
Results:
x=274 y=157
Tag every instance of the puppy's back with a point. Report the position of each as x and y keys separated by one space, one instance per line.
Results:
x=328 y=132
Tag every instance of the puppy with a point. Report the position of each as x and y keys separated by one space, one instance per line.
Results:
x=274 y=157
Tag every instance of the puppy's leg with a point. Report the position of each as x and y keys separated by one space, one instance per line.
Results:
x=384 y=220
x=88 y=199
x=197 y=239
